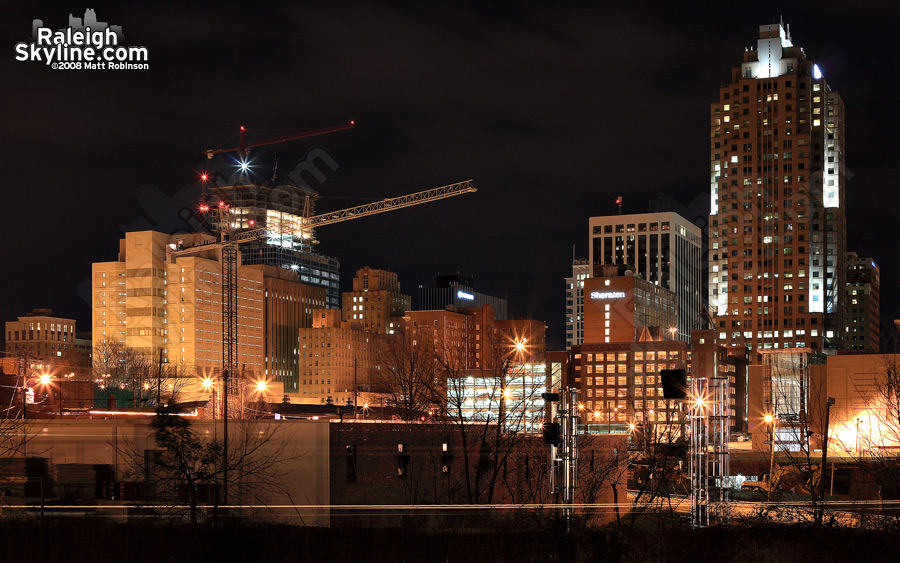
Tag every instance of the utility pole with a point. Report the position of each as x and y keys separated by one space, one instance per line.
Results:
x=159 y=381
x=820 y=514
x=562 y=436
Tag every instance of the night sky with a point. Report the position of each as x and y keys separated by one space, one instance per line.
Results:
x=552 y=110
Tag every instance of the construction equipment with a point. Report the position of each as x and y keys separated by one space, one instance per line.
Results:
x=228 y=242
x=243 y=149
x=799 y=478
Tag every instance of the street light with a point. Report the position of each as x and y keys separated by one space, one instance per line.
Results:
x=770 y=420
x=28 y=393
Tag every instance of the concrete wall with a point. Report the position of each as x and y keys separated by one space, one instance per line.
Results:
x=299 y=448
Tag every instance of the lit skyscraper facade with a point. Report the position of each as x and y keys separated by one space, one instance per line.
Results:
x=777 y=234
x=863 y=304
x=662 y=248
x=581 y=270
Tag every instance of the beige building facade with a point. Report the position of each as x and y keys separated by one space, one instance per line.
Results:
x=150 y=304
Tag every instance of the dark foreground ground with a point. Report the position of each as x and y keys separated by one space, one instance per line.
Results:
x=100 y=542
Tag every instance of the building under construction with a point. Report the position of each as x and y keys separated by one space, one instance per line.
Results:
x=282 y=208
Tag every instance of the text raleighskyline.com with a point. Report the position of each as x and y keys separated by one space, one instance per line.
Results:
x=71 y=45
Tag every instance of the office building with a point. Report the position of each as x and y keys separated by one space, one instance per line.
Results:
x=287 y=306
x=661 y=248
x=581 y=270
x=376 y=301
x=458 y=291
x=863 y=304
x=338 y=360
x=620 y=306
x=777 y=229
x=40 y=335
x=620 y=381
x=150 y=304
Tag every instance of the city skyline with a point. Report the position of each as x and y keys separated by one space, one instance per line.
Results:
x=528 y=116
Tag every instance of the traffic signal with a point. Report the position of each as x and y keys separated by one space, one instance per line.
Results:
x=674 y=383
x=550 y=431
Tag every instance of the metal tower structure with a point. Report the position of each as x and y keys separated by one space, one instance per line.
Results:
x=709 y=452
x=564 y=454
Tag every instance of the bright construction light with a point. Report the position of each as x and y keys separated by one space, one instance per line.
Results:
x=580 y=406
x=206 y=383
x=768 y=418
x=631 y=427
x=45 y=379
x=244 y=165
x=261 y=386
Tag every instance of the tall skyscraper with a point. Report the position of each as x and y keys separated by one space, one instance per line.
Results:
x=777 y=234
x=662 y=248
x=581 y=270
x=863 y=304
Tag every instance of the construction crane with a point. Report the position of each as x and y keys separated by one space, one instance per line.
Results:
x=228 y=244
x=243 y=149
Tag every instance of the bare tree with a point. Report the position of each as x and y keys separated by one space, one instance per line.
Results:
x=191 y=466
x=407 y=375
x=118 y=366
x=490 y=410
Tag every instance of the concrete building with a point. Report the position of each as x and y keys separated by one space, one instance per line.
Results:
x=458 y=291
x=581 y=270
x=863 y=298
x=148 y=304
x=620 y=382
x=662 y=248
x=463 y=339
x=41 y=336
x=863 y=417
x=376 y=301
x=337 y=360
x=287 y=306
x=618 y=308
x=777 y=234
x=786 y=395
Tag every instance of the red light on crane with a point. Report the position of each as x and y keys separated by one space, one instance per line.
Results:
x=204 y=208
x=352 y=122
x=204 y=177
x=242 y=128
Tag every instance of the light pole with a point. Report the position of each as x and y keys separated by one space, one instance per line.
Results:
x=770 y=420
